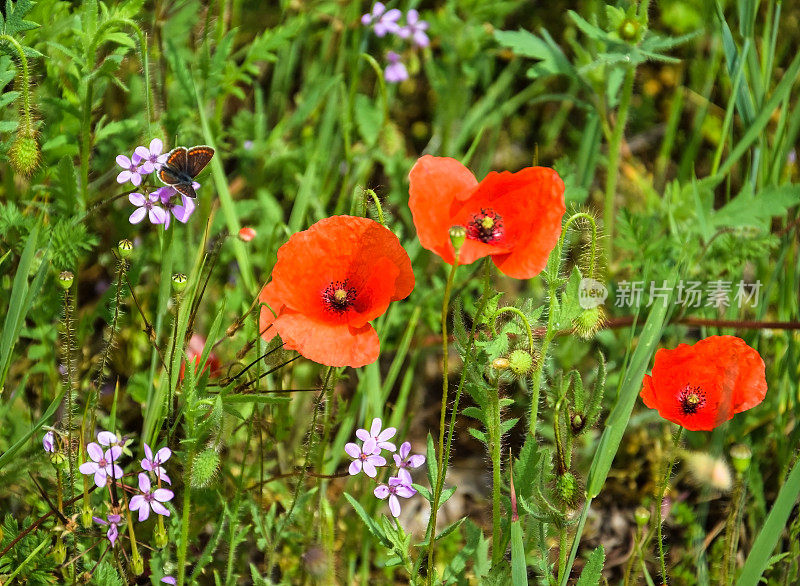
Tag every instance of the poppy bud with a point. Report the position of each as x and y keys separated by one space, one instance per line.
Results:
x=520 y=362
x=125 y=248
x=577 y=422
x=65 y=279
x=204 y=468
x=500 y=363
x=179 y=281
x=741 y=454
x=24 y=154
x=246 y=234
x=642 y=516
x=567 y=488
x=589 y=321
x=457 y=236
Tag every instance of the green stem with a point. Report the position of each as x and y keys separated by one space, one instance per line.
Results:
x=732 y=529
x=376 y=200
x=519 y=314
x=185 y=516
x=536 y=377
x=613 y=157
x=662 y=491
x=70 y=383
x=494 y=443
x=442 y=419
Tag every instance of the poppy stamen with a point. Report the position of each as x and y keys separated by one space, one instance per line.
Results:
x=338 y=297
x=486 y=226
x=692 y=399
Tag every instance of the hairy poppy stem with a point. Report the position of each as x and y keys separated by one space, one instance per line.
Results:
x=659 y=505
x=495 y=440
x=445 y=384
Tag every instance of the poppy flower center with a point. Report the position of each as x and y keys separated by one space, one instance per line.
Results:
x=486 y=226
x=692 y=399
x=338 y=297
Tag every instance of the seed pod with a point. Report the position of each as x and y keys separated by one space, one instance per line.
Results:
x=520 y=362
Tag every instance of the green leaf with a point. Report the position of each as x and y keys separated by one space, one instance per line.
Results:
x=617 y=420
x=772 y=530
x=14 y=21
x=369 y=119
x=519 y=570
x=9 y=454
x=592 y=571
x=430 y=462
x=758 y=210
x=546 y=51
x=372 y=526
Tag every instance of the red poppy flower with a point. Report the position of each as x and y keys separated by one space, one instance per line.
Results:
x=514 y=217
x=702 y=386
x=328 y=283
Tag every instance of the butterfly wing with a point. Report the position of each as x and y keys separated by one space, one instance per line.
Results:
x=178 y=159
x=197 y=158
x=169 y=176
x=186 y=189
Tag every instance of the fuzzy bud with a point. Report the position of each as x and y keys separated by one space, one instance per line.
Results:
x=741 y=455
x=520 y=362
x=204 y=468
x=567 y=488
x=24 y=154
x=125 y=248
x=179 y=281
x=642 y=516
x=577 y=422
x=65 y=280
x=589 y=321
x=458 y=234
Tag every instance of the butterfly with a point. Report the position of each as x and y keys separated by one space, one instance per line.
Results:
x=183 y=165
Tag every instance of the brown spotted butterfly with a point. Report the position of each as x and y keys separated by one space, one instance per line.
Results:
x=183 y=165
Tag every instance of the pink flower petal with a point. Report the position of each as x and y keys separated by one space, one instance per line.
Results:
x=100 y=478
x=136 y=179
x=163 y=454
x=362 y=434
x=124 y=176
x=144 y=482
x=369 y=469
x=138 y=215
x=394 y=506
x=95 y=452
x=355 y=467
x=88 y=468
x=123 y=162
x=106 y=438
x=163 y=495
x=159 y=508
x=136 y=502
x=381 y=491
x=156 y=146
x=142 y=152
x=375 y=429
x=352 y=450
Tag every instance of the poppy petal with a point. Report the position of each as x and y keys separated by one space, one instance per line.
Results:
x=329 y=344
x=435 y=184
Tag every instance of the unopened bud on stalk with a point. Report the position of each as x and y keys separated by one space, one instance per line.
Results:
x=520 y=362
x=642 y=516
x=125 y=248
x=86 y=517
x=567 y=489
x=24 y=153
x=741 y=455
x=65 y=280
x=458 y=234
x=179 y=281
x=500 y=363
x=160 y=536
x=589 y=321
x=629 y=29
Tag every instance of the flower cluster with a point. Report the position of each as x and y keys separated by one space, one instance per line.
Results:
x=103 y=467
x=368 y=458
x=385 y=22
x=162 y=204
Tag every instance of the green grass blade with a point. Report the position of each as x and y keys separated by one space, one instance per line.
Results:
x=10 y=452
x=772 y=530
x=519 y=572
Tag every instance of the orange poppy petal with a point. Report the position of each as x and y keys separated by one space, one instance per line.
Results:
x=377 y=241
x=266 y=317
x=326 y=343
x=536 y=226
x=435 y=184
x=376 y=285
